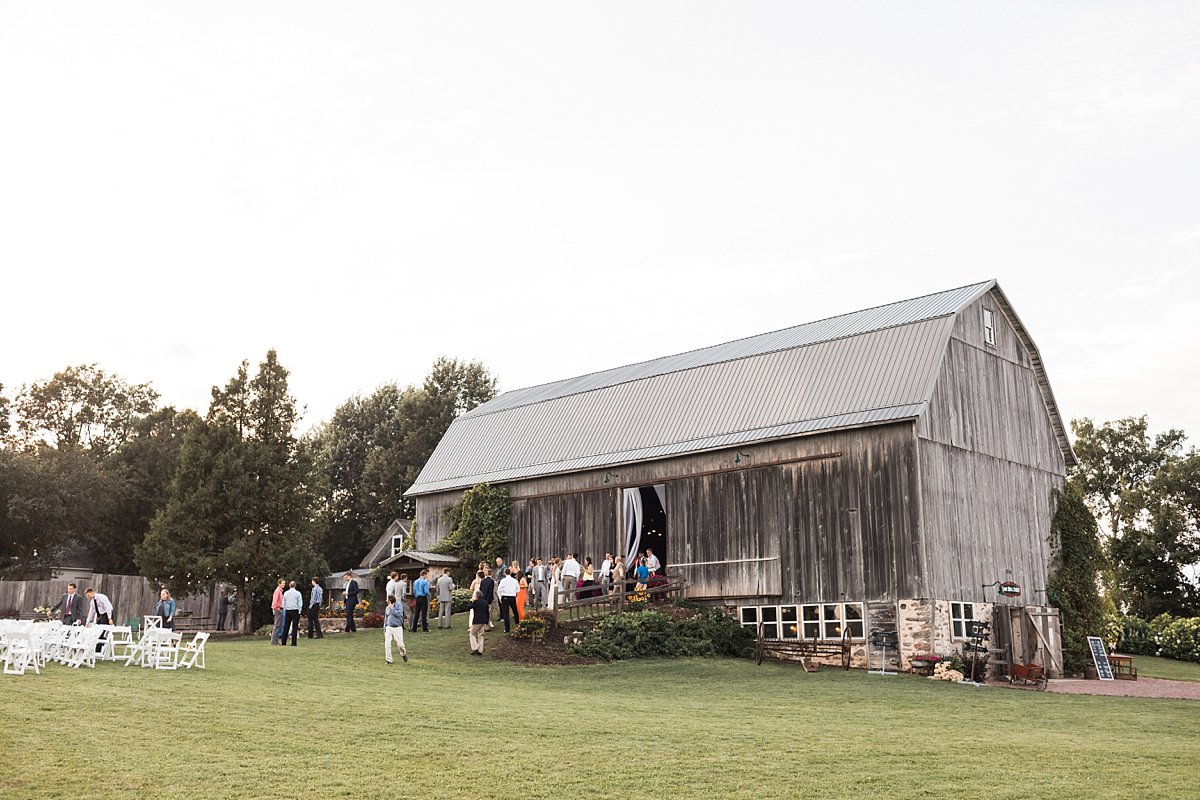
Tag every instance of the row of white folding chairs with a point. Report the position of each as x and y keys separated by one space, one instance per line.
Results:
x=72 y=645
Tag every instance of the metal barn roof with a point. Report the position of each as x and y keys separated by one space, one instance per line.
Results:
x=868 y=367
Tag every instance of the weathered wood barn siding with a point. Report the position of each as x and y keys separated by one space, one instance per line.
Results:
x=989 y=460
x=582 y=522
x=431 y=526
x=819 y=518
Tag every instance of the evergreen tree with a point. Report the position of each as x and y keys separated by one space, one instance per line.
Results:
x=240 y=508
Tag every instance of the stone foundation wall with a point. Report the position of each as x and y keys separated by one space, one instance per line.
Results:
x=925 y=628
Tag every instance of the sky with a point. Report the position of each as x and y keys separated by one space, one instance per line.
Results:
x=557 y=188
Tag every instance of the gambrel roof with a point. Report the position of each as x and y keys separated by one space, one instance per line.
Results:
x=868 y=367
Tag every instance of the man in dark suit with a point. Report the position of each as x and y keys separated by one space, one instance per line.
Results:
x=487 y=590
x=222 y=610
x=351 y=601
x=71 y=604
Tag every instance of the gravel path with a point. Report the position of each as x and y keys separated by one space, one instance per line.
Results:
x=1142 y=687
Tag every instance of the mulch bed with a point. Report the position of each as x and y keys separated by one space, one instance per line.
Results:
x=552 y=652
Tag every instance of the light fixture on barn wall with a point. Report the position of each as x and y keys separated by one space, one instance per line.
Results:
x=609 y=477
x=740 y=456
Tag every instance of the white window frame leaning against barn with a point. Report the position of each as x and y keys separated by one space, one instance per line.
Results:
x=802 y=620
x=958 y=622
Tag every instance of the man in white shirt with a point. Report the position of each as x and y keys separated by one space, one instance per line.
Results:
x=652 y=562
x=293 y=603
x=606 y=571
x=507 y=591
x=393 y=586
x=99 y=608
x=570 y=574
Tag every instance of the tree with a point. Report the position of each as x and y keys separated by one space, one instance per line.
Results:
x=84 y=407
x=479 y=525
x=240 y=505
x=1157 y=558
x=4 y=415
x=141 y=471
x=361 y=471
x=1144 y=489
x=374 y=447
x=1117 y=461
x=48 y=499
x=1077 y=559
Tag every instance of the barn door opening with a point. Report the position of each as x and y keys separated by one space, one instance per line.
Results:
x=646 y=524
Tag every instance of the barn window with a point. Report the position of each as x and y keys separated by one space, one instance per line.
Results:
x=397 y=544
x=827 y=620
x=989 y=326
x=960 y=615
x=818 y=621
x=789 y=626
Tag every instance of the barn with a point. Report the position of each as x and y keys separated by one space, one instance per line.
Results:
x=883 y=469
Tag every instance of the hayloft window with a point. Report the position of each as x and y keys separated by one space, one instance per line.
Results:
x=989 y=326
x=397 y=544
x=960 y=615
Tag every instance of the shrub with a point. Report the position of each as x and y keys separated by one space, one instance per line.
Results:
x=1180 y=639
x=648 y=633
x=530 y=629
x=724 y=635
x=545 y=615
x=1157 y=625
x=1134 y=637
x=459 y=600
x=372 y=620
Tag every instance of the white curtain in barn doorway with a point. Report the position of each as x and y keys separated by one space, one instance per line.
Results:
x=633 y=525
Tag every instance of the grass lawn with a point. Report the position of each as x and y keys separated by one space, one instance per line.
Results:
x=330 y=719
x=1169 y=668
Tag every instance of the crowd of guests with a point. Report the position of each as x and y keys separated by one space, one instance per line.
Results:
x=501 y=591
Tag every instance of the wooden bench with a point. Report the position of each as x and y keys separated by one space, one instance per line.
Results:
x=802 y=650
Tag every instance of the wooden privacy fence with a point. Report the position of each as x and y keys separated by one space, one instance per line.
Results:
x=131 y=596
x=572 y=603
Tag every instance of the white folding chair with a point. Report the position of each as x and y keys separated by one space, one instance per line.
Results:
x=120 y=642
x=81 y=649
x=105 y=641
x=20 y=654
x=166 y=651
x=54 y=645
x=150 y=621
x=194 y=650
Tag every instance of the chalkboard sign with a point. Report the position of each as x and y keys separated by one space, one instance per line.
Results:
x=1100 y=658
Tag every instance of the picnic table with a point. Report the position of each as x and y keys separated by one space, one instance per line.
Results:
x=1122 y=667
